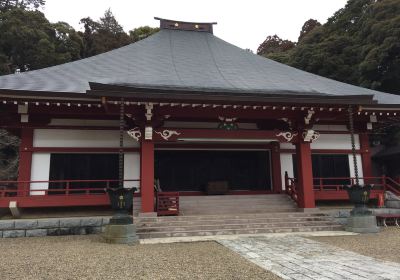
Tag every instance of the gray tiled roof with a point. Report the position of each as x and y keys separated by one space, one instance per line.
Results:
x=185 y=60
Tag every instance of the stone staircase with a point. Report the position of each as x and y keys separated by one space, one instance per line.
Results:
x=234 y=214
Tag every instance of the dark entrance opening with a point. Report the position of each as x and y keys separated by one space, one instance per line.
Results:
x=191 y=170
x=334 y=168
x=83 y=167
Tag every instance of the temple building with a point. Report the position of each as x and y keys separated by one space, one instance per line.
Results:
x=198 y=117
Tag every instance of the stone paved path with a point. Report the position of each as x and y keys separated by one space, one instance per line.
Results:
x=299 y=258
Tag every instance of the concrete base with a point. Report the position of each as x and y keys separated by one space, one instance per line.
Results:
x=15 y=211
x=308 y=210
x=147 y=215
x=392 y=204
x=120 y=234
x=362 y=224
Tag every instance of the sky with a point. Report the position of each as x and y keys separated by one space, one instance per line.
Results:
x=245 y=24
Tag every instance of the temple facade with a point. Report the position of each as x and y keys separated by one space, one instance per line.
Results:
x=191 y=114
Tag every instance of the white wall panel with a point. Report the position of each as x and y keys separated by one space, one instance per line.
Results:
x=286 y=166
x=330 y=127
x=285 y=145
x=334 y=142
x=132 y=170
x=40 y=171
x=68 y=138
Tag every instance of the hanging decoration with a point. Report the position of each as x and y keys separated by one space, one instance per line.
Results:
x=135 y=133
x=166 y=134
x=288 y=135
x=228 y=123
x=310 y=135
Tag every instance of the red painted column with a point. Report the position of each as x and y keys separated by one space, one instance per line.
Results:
x=305 y=177
x=276 y=168
x=365 y=155
x=147 y=176
x=25 y=158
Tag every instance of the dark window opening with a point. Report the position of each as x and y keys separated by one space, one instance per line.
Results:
x=192 y=170
x=83 y=167
x=334 y=168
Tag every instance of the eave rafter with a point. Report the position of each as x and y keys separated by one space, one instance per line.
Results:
x=204 y=111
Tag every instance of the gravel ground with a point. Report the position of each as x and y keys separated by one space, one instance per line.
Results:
x=384 y=245
x=85 y=257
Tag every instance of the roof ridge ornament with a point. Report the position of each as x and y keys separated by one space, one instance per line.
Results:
x=186 y=26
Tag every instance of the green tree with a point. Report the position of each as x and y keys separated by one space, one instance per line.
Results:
x=6 y=5
x=359 y=44
x=29 y=41
x=103 y=35
x=141 y=33
x=276 y=48
x=274 y=44
x=308 y=26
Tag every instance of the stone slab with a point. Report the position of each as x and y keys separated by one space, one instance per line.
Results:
x=106 y=220
x=70 y=222
x=26 y=224
x=7 y=224
x=36 y=232
x=13 y=233
x=297 y=258
x=48 y=223
x=92 y=221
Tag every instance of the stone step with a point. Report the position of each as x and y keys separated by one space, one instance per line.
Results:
x=232 y=200
x=281 y=215
x=232 y=221
x=240 y=231
x=242 y=211
x=239 y=206
x=226 y=196
x=236 y=204
x=206 y=227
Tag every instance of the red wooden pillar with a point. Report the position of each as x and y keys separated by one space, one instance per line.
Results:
x=276 y=168
x=25 y=158
x=305 y=176
x=365 y=155
x=147 y=176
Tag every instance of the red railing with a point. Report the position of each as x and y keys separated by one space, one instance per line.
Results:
x=59 y=192
x=59 y=187
x=334 y=188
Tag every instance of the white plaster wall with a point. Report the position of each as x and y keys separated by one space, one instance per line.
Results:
x=330 y=127
x=132 y=170
x=286 y=166
x=40 y=171
x=68 y=138
x=285 y=145
x=335 y=142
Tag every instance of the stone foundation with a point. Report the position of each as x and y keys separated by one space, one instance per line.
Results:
x=52 y=226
